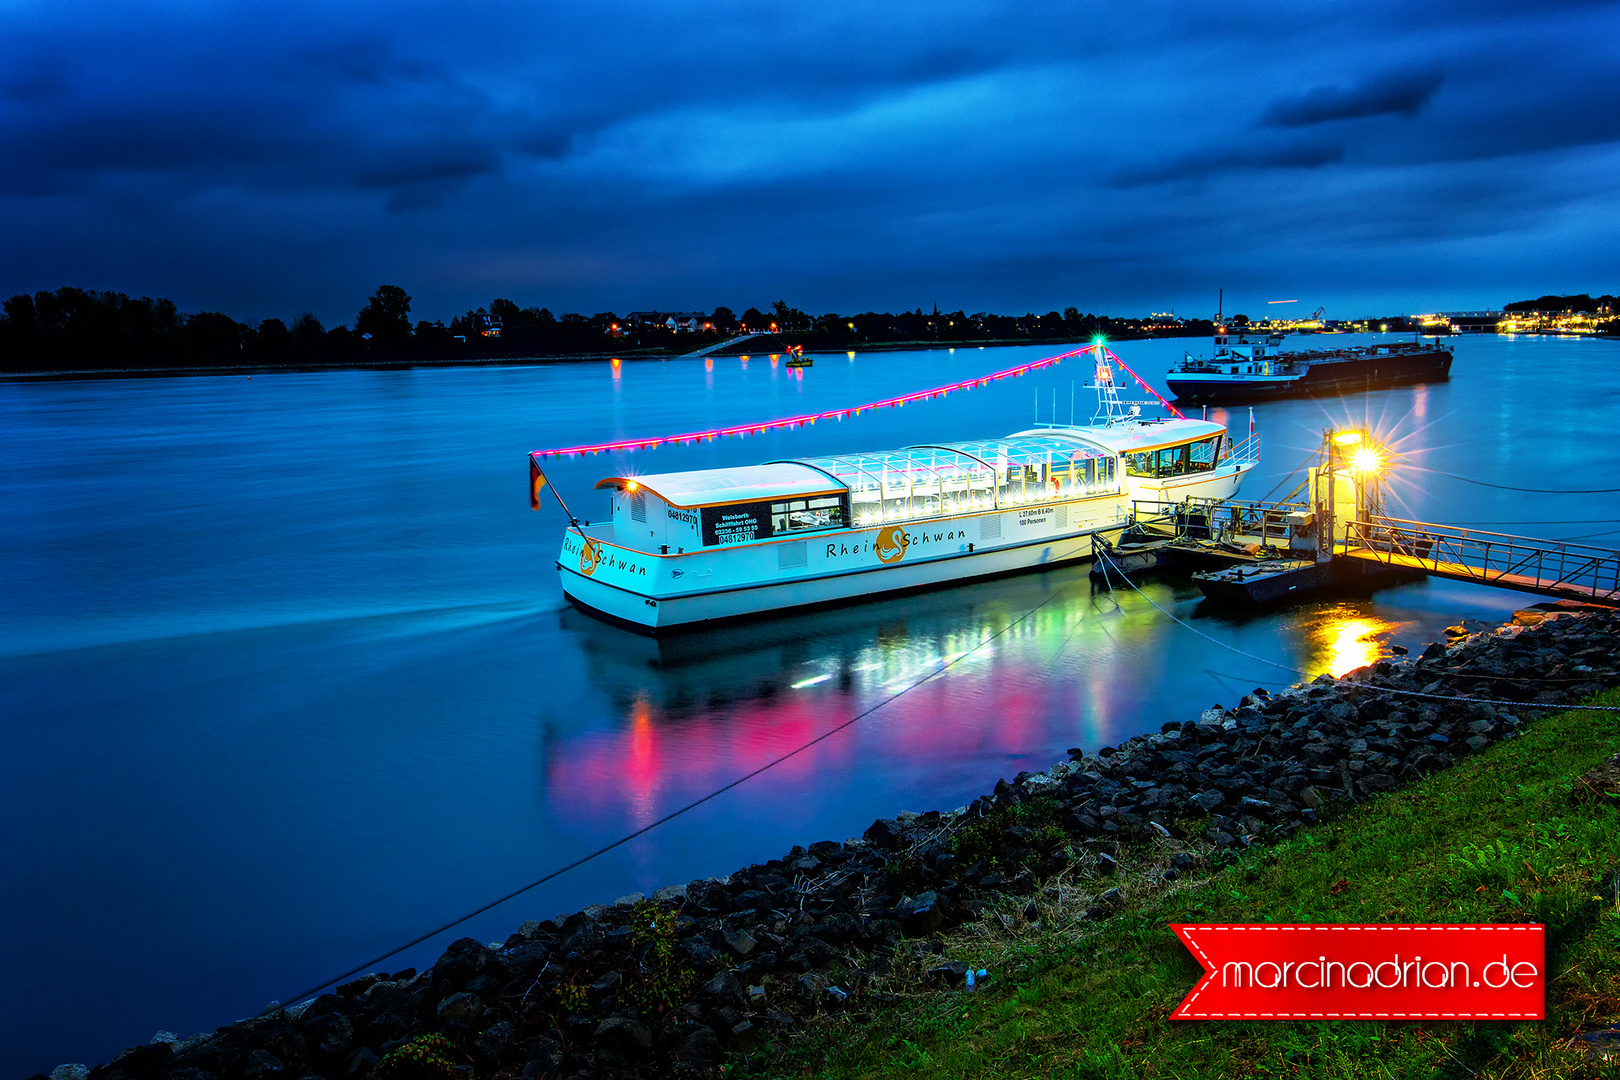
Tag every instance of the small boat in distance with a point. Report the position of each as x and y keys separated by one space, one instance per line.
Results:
x=686 y=549
x=1245 y=371
x=797 y=359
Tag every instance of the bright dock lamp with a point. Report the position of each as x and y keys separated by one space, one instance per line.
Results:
x=1366 y=460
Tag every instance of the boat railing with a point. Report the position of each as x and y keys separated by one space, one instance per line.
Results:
x=1273 y=524
x=1246 y=452
x=1487 y=557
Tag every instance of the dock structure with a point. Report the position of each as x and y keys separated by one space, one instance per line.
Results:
x=1258 y=552
x=717 y=346
x=1548 y=567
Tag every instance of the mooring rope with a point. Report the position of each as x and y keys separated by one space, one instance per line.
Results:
x=1506 y=487
x=672 y=815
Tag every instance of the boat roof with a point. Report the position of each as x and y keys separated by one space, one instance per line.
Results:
x=837 y=473
x=1142 y=435
x=716 y=487
x=947 y=460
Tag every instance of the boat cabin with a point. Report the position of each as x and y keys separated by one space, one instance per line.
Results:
x=685 y=511
x=674 y=513
x=1243 y=358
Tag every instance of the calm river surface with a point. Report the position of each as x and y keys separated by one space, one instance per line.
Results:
x=286 y=677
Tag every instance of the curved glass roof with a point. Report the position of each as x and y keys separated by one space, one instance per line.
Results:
x=950 y=461
x=926 y=481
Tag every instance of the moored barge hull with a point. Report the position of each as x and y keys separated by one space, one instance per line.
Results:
x=1321 y=379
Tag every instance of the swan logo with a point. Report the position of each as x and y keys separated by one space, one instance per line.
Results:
x=891 y=544
x=588 y=559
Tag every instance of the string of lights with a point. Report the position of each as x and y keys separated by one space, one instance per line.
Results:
x=744 y=430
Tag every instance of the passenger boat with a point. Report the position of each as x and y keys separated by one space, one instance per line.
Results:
x=1245 y=371
x=684 y=549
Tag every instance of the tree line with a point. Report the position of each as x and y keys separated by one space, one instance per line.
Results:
x=83 y=329
x=1558 y=305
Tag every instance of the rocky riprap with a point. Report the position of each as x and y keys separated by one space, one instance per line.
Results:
x=669 y=985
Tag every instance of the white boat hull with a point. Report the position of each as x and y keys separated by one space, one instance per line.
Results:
x=609 y=570
x=623 y=605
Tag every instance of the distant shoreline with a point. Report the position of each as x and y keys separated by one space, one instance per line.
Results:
x=578 y=358
x=582 y=358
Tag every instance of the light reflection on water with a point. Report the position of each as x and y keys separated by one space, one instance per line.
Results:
x=305 y=688
x=1349 y=640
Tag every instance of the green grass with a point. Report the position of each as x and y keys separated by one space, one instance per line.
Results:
x=1502 y=837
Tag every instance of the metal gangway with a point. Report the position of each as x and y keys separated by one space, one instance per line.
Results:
x=1235 y=521
x=1344 y=519
x=1549 y=567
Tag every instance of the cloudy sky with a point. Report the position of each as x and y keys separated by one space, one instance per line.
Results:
x=590 y=155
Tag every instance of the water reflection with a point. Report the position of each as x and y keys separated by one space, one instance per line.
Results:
x=1347 y=639
x=960 y=680
x=365 y=660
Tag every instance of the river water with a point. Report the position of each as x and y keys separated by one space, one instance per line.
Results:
x=287 y=680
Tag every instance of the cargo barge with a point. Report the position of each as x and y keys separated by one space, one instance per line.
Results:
x=1248 y=371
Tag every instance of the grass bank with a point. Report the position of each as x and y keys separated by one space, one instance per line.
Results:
x=1507 y=836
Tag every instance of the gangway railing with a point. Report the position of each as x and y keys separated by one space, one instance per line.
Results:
x=1550 y=567
x=1277 y=524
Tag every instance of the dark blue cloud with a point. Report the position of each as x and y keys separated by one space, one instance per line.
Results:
x=1206 y=164
x=1392 y=92
x=629 y=154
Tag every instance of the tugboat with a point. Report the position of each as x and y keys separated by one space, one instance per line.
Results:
x=1248 y=371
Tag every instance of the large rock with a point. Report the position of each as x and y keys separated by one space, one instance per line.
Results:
x=740 y=942
x=627 y=1038
x=699 y=1050
x=468 y=1008
x=884 y=833
x=724 y=989
x=921 y=915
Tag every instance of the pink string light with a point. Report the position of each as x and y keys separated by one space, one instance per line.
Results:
x=1139 y=382
x=744 y=430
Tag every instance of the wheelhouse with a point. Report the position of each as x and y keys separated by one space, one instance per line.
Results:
x=1180 y=459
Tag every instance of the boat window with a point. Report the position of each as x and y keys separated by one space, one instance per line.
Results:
x=1200 y=456
x=1206 y=454
x=796 y=515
